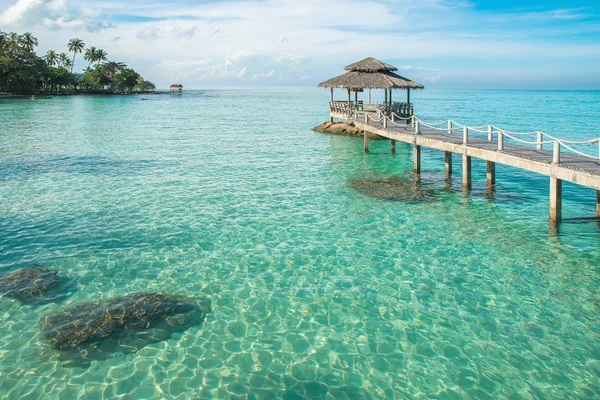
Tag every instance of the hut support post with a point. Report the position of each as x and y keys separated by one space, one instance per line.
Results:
x=466 y=172
x=385 y=96
x=349 y=99
x=408 y=96
x=417 y=159
x=366 y=144
x=448 y=162
x=393 y=146
x=331 y=95
x=555 y=199
x=390 y=96
x=369 y=95
x=491 y=173
x=356 y=99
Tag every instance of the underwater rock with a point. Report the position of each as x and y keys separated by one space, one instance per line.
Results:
x=408 y=190
x=343 y=128
x=28 y=283
x=130 y=321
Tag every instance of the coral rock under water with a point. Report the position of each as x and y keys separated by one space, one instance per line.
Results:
x=402 y=189
x=87 y=324
x=28 y=283
x=343 y=128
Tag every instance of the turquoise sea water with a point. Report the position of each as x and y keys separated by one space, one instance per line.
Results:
x=317 y=290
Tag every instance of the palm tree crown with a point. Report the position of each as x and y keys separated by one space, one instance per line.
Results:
x=51 y=58
x=90 y=55
x=76 y=46
x=100 y=56
x=28 y=41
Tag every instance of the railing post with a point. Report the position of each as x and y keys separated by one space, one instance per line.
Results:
x=465 y=135
x=500 y=141
x=385 y=121
x=556 y=153
x=417 y=128
x=490 y=133
x=450 y=126
x=540 y=139
x=366 y=117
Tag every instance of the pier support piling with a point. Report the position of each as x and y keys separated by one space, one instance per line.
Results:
x=417 y=159
x=598 y=202
x=448 y=162
x=491 y=173
x=555 y=199
x=366 y=137
x=466 y=172
x=393 y=146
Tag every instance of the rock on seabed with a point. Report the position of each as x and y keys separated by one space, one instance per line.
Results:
x=143 y=317
x=342 y=128
x=28 y=283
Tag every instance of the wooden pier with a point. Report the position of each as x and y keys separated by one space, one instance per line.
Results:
x=489 y=144
x=559 y=159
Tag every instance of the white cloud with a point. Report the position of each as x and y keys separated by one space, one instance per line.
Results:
x=60 y=23
x=268 y=75
x=19 y=10
x=149 y=33
x=432 y=79
x=242 y=73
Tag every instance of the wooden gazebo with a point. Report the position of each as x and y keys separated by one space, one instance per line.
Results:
x=371 y=73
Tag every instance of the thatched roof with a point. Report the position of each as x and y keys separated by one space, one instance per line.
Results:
x=370 y=80
x=177 y=85
x=370 y=64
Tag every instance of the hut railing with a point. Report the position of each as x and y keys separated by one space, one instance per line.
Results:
x=342 y=107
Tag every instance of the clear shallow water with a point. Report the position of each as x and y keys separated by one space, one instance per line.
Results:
x=317 y=290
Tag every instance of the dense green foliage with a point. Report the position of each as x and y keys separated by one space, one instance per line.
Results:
x=22 y=71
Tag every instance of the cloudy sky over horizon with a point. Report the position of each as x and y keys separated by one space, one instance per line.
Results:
x=440 y=43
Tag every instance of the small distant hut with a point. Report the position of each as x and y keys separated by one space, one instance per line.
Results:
x=371 y=73
x=176 y=88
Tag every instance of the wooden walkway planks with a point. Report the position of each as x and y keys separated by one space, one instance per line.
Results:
x=573 y=168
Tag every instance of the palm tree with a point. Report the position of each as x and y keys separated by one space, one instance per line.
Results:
x=76 y=46
x=63 y=60
x=90 y=55
x=28 y=41
x=51 y=58
x=115 y=67
x=68 y=64
x=100 y=56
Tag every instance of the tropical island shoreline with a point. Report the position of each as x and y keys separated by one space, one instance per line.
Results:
x=23 y=72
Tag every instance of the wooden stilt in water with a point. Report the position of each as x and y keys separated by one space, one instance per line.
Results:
x=555 y=199
x=417 y=159
x=366 y=136
x=393 y=146
x=491 y=173
x=466 y=172
x=448 y=162
x=598 y=202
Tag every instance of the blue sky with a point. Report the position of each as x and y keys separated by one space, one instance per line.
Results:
x=440 y=43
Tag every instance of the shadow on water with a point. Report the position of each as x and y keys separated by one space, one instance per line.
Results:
x=103 y=329
x=76 y=165
x=36 y=285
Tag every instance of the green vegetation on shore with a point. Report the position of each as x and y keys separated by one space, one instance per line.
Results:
x=23 y=72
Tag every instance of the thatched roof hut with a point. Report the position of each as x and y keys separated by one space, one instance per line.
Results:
x=371 y=73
